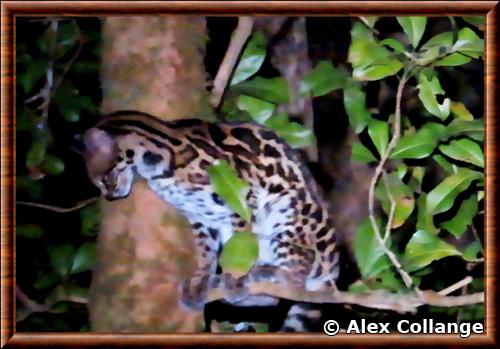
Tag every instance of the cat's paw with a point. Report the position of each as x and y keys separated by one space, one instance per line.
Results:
x=274 y=274
x=194 y=292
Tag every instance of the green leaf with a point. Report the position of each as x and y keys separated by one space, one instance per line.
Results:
x=425 y=221
x=251 y=59
x=469 y=43
x=324 y=78
x=30 y=231
x=473 y=129
x=355 y=105
x=364 y=50
x=258 y=109
x=33 y=188
x=413 y=27
x=385 y=280
x=240 y=253
x=452 y=60
x=428 y=89
x=472 y=251
x=463 y=218
x=415 y=146
x=361 y=154
x=273 y=90
x=293 y=133
x=425 y=248
x=441 y=198
x=401 y=194
x=370 y=256
x=370 y=60
x=73 y=290
x=441 y=40
x=232 y=189
x=477 y=21
x=427 y=56
x=61 y=258
x=401 y=170
x=69 y=111
x=395 y=45
x=67 y=36
x=90 y=217
x=36 y=153
x=445 y=165
x=377 y=71
x=261 y=327
x=464 y=150
x=415 y=181
x=369 y=20
x=438 y=131
x=460 y=111
x=52 y=165
x=84 y=258
x=45 y=281
x=379 y=134
x=35 y=70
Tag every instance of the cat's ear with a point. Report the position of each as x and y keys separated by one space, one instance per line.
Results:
x=96 y=140
x=100 y=151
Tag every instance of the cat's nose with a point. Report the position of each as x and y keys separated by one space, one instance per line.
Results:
x=111 y=197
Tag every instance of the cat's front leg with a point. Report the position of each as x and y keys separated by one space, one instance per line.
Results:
x=194 y=290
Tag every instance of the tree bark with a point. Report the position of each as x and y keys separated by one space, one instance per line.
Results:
x=155 y=65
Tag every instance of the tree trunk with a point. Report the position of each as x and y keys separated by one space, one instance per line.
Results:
x=155 y=65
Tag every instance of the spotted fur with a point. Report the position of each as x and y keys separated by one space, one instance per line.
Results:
x=290 y=218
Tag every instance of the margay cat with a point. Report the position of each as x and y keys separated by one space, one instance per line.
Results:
x=294 y=231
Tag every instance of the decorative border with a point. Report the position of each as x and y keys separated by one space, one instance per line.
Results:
x=11 y=9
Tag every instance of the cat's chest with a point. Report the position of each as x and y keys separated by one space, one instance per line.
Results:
x=198 y=204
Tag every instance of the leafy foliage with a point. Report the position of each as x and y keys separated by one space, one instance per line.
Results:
x=445 y=131
x=57 y=71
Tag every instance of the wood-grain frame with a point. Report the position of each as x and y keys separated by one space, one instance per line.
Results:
x=11 y=9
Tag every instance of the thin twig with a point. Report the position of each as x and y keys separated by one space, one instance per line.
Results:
x=464 y=282
x=378 y=171
x=59 y=209
x=392 y=209
x=35 y=307
x=460 y=310
x=60 y=78
x=240 y=36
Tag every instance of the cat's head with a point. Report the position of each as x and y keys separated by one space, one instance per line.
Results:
x=106 y=166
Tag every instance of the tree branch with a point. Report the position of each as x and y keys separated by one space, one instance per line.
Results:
x=379 y=299
x=240 y=36
x=28 y=302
